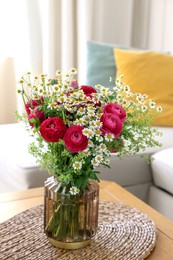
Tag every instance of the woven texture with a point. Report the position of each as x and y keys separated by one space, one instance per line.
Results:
x=124 y=233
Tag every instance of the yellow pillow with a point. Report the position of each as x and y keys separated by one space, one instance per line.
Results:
x=150 y=73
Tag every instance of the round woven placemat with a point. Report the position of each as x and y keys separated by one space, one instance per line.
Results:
x=124 y=233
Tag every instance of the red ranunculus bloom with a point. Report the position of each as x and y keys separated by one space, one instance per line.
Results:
x=88 y=90
x=74 y=139
x=52 y=129
x=115 y=109
x=30 y=116
x=111 y=124
x=33 y=103
x=37 y=114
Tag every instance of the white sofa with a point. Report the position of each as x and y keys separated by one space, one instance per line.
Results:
x=18 y=169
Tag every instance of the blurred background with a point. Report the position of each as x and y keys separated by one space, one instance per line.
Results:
x=46 y=35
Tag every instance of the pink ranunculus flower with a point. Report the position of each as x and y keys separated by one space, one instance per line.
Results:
x=112 y=124
x=53 y=129
x=74 y=139
x=88 y=90
x=115 y=109
x=74 y=83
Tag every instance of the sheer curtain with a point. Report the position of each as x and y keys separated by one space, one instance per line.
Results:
x=152 y=25
x=13 y=54
x=38 y=36
x=45 y=35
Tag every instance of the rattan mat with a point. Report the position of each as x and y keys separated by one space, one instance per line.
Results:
x=124 y=233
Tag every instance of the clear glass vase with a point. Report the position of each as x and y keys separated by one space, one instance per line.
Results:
x=70 y=221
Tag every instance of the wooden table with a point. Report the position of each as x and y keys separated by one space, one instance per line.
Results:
x=16 y=202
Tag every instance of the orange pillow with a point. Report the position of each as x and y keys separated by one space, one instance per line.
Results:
x=149 y=73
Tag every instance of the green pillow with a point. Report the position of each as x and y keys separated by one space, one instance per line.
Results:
x=101 y=64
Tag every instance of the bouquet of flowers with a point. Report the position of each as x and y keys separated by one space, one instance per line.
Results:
x=77 y=127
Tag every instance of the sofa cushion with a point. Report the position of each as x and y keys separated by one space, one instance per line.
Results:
x=101 y=67
x=100 y=64
x=149 y=73
x=161 y=201
x=18 y=168
x=162 y=169
x=128 y=171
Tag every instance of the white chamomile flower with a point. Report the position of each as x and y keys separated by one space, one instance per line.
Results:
x=159 y=109
x=119 y=97
x=67 y=100
x=79 y=121
x=77 y=165
x=86 y=118
x=94 y=162
x=99 y=138
x=118 y=88
x=98 y=86
x=74 y=95
x=90 y=143
x=145 y=95
x=97 y=131
x=92 y=124
x=60 y=86
x=104 y=91
x=91 y=108
x=68 y=107
x=86 y=152
x=152 y=104
x=126 y=88
x=81 y=111
x=109 y=137
x=144 y=108
x=74 y=190
x=140 y=99
x=73 y=71
x=91 y=113
x=124 y=102
x=103 y=147
x=99 y=158
x=98 y=124
x=73 y=109
x=107 y=161
x=95 y=97
x=58 y=73
x=99 y=152
x=66 y=87
x=88 y=132
x=129 y=95
x=56 y=88
x=51 y=105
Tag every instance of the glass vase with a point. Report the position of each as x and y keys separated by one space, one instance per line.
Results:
x=70 y=221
